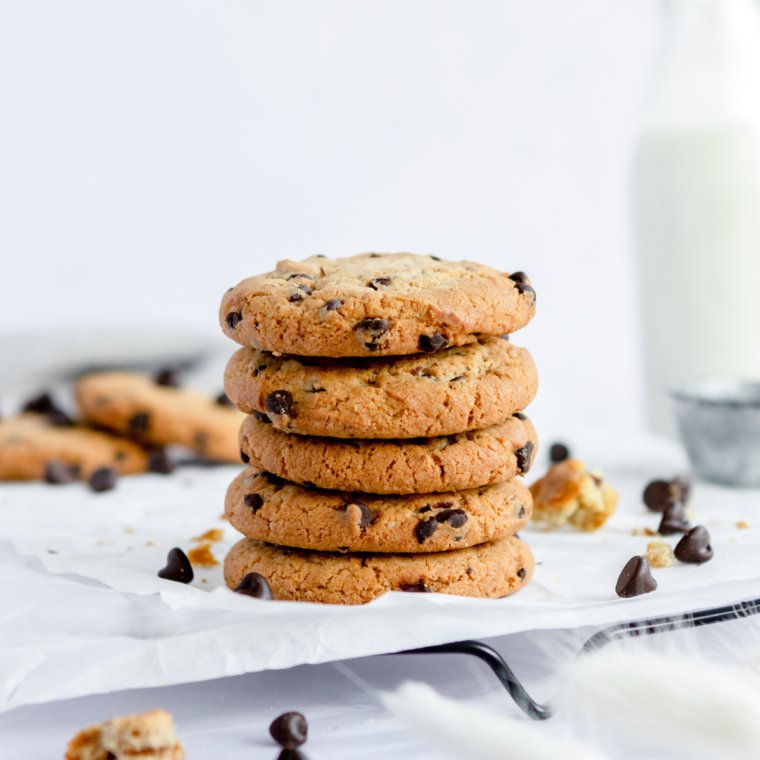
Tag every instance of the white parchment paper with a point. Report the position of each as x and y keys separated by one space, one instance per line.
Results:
x=84 y=612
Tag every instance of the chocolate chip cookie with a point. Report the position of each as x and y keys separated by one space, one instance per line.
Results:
x=265 y=507
x=410 y=465
x=491 y=570
x=456 y=390
x=31 y=448
x=375 y=305
x=137 y=406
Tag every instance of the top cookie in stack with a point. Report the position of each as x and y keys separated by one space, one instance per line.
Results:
x=426 y=427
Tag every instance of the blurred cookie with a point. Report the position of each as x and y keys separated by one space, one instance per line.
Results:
x=456 y=390
x=569 y=494
x=492 y=570
x=31 y=446
x=374 y=304
x=266 y=508
x=135 y=405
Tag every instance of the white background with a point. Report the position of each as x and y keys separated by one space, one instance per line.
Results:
x=156 y=153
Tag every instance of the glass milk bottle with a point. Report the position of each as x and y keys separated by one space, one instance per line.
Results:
x=696 y=193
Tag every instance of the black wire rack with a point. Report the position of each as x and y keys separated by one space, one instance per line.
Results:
x=600 y=639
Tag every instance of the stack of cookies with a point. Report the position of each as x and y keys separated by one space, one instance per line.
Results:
x=385 y=433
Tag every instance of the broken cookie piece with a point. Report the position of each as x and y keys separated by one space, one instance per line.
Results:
x=659 y=554
x=149 y=736
x=568 y=494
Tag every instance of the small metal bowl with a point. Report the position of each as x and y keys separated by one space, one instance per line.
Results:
x=719 y=422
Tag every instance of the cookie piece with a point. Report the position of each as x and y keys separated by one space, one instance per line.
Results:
x=569 y=494
x=266 y=508
x=135 y=405
x=148 y=735
x=30 y=441
x=453 y=391
x=375 y=304
x=417 y=465
x=492 y=570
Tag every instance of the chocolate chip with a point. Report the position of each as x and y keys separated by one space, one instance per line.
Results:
x=559 y=452
x=159 y=461
x=455 y=379
x=275 y=480
x=255 y=585
x=519 y=277
x=305 y=276
x=505 y=336
x=456 y=518
x=673 y=520
x=469 y=571
x=379 y=282
x=333 y=304
x=56 y=472
x=426 y=528
x=295 y=298
x=521 y=513
x=374 y=255
x=523 y=288
x=417 y=588
x=434 y=342
x=435 y=258
x=524 y=457
x=366 y=513
x=695 y=547
x=223 y=400
x=168 y=378
x=291 y=753
x=103 y=479
x=657 y=495
x=636 y=579
x=316 y=390
x=375 y=328
x=59 y=418
x=290 y=729
x=140 y=422
x=261 y=417
x=279 y=402
x=254 y=501
x=521 y=573
x=246 y=459
x=234 y=318
x=306 y=289
x=40 y=404
x=520 y=416
x=178 y=567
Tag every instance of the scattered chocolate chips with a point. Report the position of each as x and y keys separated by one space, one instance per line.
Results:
x=103 y=479
x=521 y=573
x=178 y=567
x=159 y=461
x=255 y=585
x=559 y=453
x=234 y=318
x=695 y=547
x=261 y=417
x=519 y=277
x=279 y=402
x=426 y=528
x=254 y=501
x=657 y=495
x=525 y=457
x=246 y=459
x=520 y=416
x=673 y=520
x=140 y=422
x=434 y=342
x=456 y=518
x=366 y=515
x=333 y=304
x=290 y=729
x=168 y=378
x=375 y=328
x=636 y=579
x=416 y=588
x=56 y=472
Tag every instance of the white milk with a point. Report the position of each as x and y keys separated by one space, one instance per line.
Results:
x=696 y=195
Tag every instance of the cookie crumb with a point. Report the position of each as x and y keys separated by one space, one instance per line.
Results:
x=659 y=554
x=149 y=543
x=742 y=525
x=202 y=556
x=644 y=532
x=210 y=535
x=129 y=530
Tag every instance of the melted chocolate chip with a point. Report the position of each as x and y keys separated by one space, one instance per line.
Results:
x=261 y=417
x=519 y=277
x=559 y=453
x=223 y=400
x=254 y=501
x=520 y=416
x=434 y=342
x=657 y=495
x=379 y=282
x=234 y=318
x=333 y=304
x=426 y=528
x=521 y=573
x=673 y=520
x=255 y=585
x=280 y=403
x=375 y=328
x=56 y=472
x=140 y=422
x=159 y=461
x=168 y=378
x=456 y=518
x=295 y=298
x=366 y=513
x=695 y=547
x=178 y=567
x=416 y=588
x=524 y=457
x=103 y=479
x=245 y=458
x=636 y=579
x=290 y=730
